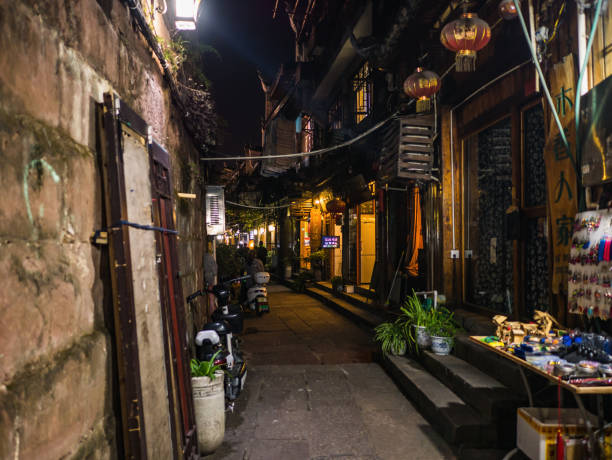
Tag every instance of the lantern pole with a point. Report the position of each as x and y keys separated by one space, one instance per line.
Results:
x=545 y=87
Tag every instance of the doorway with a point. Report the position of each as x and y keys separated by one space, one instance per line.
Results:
x=367 y=241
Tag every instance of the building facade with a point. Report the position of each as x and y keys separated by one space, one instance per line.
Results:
x=482 y=219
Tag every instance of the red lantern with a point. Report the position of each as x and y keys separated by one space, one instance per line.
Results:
x=421 y=85
x=465 y=36
x=507 y=9
x=335 y=206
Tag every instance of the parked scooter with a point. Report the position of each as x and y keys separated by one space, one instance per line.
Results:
x=257 y=296
x=219 y=335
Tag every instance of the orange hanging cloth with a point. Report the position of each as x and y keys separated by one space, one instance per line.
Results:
x=415 y=236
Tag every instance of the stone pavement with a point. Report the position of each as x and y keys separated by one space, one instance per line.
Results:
x=312 y=393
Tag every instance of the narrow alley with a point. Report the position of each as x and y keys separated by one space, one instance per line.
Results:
x=313 y=392
x=418 y=190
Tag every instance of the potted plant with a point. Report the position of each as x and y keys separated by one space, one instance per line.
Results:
x=208 y=403
x=316 y=259
x=301 y=279
x=337 y=283
x=417 y=316
x=392 y=337
x=442 y=329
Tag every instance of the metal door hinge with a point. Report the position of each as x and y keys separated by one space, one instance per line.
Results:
x=99 y=237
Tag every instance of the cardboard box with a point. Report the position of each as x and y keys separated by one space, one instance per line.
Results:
x=536 y=432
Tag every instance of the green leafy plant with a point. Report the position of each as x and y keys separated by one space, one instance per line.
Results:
x=205 y=368
x=392 y=335
x=229 y=262
x=415 y=314
x=300 y=280
x=441 y=323
x=174 y=52
x=316 y=258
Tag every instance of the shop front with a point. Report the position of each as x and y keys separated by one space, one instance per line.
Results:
x=360 y=234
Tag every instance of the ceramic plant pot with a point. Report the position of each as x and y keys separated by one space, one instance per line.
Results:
x=209 y=408
x=422 y=337
x=441 y=345
x=401 y=351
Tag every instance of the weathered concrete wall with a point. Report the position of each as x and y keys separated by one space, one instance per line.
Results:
x=56 y=367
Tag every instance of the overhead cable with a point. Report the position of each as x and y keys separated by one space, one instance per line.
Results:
x=305 y=154
x=256 y=207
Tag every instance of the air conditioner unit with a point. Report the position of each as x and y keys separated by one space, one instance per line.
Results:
x=408 y=149
x=215 y=210
x=596 y=134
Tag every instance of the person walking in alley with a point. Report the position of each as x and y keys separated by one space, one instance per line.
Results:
x=254 y=265
x=262 y=252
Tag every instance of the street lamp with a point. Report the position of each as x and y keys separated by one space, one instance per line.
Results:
x=185 y=14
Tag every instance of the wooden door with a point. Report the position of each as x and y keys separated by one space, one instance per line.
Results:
x=149 y=311
x=172 y=300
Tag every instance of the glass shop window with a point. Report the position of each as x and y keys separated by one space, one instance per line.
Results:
x=362 y=89
x=487 y=196
x=534 y=201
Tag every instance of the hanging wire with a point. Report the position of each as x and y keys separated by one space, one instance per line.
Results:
x=256 y=207
x=556 y=26
x=313 y=152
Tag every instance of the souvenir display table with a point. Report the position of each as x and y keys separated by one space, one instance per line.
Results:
x=576 y=389
x=600 y=386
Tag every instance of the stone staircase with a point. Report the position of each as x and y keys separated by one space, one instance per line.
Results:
x=470 y=397
x=472 y=411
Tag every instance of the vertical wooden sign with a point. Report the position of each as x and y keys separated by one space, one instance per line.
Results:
x=560 y=169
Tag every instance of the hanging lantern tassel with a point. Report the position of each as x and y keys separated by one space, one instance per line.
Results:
x=422 y=85
x=465 y=61
x=465 y=36
x=423 y=104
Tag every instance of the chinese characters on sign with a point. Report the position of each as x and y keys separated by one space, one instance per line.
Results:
x=560 y=170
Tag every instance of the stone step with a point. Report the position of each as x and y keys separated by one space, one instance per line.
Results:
x=495 y=402
x=484 y=393
x=358 y=299
x=359 y=316
x=457 y=422
x=501 y=369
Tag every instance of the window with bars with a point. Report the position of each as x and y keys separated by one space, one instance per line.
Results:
x=335 y=115
x=362 y=88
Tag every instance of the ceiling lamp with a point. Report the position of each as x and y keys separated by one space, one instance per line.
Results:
x=507 y=9
x=465 y=36
x=422 y=85
x=185 y=14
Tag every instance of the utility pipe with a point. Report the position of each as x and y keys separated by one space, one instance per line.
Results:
x=582 y=40
x=139 y=17
x=545 y=86
x=532 y=35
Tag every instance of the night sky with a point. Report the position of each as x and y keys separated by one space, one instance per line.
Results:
x=248 y=39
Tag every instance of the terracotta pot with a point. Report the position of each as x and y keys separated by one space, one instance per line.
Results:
x=209 y=408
